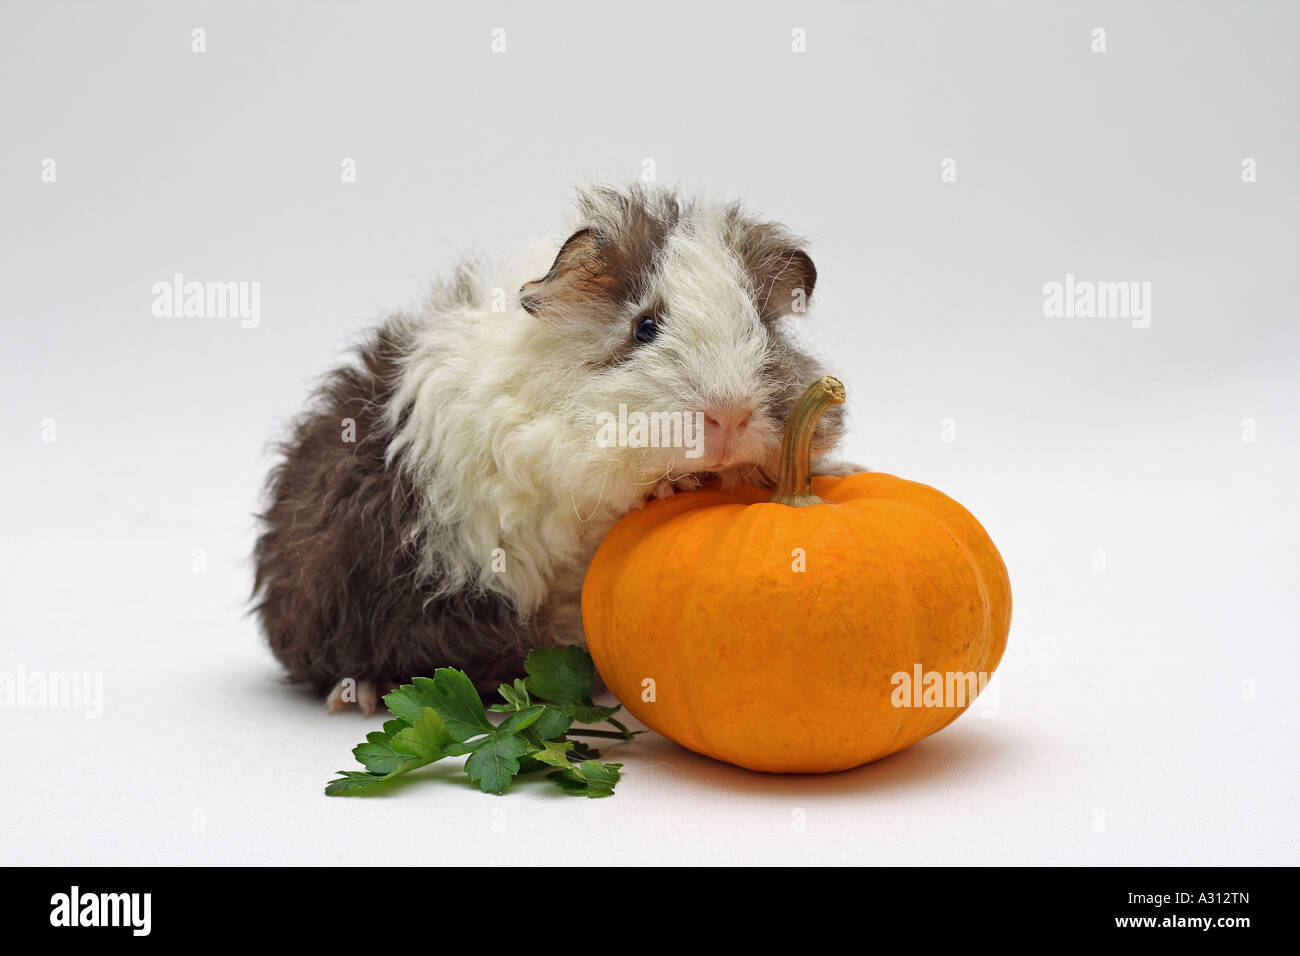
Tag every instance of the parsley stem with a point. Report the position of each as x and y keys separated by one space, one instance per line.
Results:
x=626 y=733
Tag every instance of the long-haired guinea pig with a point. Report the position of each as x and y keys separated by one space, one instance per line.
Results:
x=440 y=500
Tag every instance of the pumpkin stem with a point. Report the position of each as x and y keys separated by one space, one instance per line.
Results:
x=794 y=483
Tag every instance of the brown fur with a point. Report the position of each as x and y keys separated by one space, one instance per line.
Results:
x=777 y=267
x=336 y=585
x=611 y=260
x=774 y=262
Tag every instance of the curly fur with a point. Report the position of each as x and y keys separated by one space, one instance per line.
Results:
x=456 y=529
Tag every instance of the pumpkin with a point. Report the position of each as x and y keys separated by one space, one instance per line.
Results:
x=814 y=628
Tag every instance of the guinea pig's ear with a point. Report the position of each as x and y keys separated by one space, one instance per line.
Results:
x=784 y=283
x=577 y=275
x=781 y=275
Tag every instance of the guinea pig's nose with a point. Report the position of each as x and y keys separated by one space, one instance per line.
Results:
x=729 y=418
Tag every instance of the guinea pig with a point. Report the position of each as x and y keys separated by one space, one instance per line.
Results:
x=440 y=500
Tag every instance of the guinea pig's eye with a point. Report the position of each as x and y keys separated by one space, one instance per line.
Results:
x=645 y=329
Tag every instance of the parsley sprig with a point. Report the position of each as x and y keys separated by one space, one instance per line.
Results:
x=443 y=716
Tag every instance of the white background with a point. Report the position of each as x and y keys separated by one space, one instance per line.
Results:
x=1125 y=731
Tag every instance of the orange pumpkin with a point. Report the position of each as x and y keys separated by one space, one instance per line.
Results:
x=800 y=630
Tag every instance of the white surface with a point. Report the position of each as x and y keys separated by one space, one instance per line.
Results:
x=1121 y=732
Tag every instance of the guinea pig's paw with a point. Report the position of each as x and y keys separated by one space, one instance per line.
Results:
x=670 y=486
x=662 y=489
x=349 y=691
x=686 y=483
x=836 y=469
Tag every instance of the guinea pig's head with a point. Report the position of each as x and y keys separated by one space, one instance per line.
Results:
x=672 y=313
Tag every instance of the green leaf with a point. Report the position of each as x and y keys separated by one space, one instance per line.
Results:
x=396 y=750
x=588 y=779
x=440 y=716
x=528 y=765
x=590 y=713
x=562 y=675
x=553 y=723
x=515 y=696
x=554 y=752
x=453 y=696
x=409 y=700
x=352 y=782
x=521 y=691
x=377 y=754
x=495 y=761
x=601 y=774
x=584 y=750
x=425 y=740
x=521 y=719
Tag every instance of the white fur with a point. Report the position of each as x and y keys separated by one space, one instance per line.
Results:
x=501 y=436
